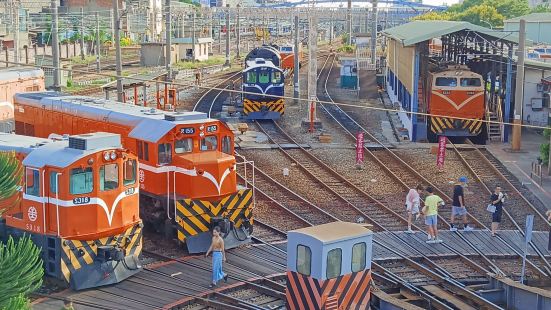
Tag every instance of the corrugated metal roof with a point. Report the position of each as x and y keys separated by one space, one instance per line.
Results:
x=532 y=18
x=423 y=30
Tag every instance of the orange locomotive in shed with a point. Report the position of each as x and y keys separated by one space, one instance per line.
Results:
x=79 y=201
x=455 y=92
x=187 y=169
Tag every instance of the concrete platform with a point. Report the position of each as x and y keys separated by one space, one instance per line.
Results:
x=520 y=163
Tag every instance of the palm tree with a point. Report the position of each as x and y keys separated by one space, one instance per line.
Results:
x=11 y=173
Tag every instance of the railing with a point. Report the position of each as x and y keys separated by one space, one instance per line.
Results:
x=536 y=174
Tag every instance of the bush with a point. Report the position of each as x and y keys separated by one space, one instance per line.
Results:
x=346 y=49
x=344 y=38
x=544 y=153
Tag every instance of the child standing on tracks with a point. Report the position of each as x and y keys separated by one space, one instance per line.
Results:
x=218 y=256
x=412 y=205
x=458 y=204
x=497 y=199
x=430 y=210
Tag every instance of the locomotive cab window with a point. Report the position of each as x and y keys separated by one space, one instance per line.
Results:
x=251 y=77
x=129 y=172
x=209 y=143
x=446 y=81
x=183 y=146
x=109 y=177
x=334 y=261
x=226 y=145
x=276 y=77
x=165 y=154
x=143 y=150
x=470 y=82
x=54 y=182
x=358 y=256
x=304 y=260
x=263 y=77
x=81 y=181
x=32 y=182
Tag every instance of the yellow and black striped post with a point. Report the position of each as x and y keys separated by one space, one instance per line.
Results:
x=250 y=106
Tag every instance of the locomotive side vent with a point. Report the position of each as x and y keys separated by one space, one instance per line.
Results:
x=99 y=140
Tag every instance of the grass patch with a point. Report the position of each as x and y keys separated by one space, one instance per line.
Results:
x=76 y=60
x=212 y=61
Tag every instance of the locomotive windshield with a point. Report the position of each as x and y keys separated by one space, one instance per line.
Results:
x=209 y=143
x=109 y=177
x=33 y=182
x=81 y=181
x=129 y=172
x=183 y=145
x=470 y=82
x=251 y=77
x=276 y=77
x=264 y=77
x=446 y=81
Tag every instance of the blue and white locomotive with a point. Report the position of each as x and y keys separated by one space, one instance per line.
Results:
x=263 y=84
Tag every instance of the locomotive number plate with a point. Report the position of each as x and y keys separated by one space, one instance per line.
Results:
x=187 y=130
x=129 y=191
x=81 y=200
x=212 y=128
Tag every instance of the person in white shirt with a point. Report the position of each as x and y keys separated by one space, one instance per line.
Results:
x=412 y=205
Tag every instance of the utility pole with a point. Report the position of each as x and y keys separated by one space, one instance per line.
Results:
x=112 y=19
x=82 y=34
x=55 y=46
x=16 y=33
x=168 y=42
x=220 y=34
x=374 y=34
x=349 y=21
x=98 y=45
x=296 y=79
x=519 y=88
x=312 y=67
x=193 y=36
x=237 y=33
x=227 y=35
x=118 y=66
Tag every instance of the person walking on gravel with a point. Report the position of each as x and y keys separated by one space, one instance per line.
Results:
x=458 y=204
x=218 y=256
x=430 y=210
x=412 y=205
x=497 y=199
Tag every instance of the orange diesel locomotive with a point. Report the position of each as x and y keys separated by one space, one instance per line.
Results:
x=455 y=92
x=287 y=53
x=187 y=169
x=79 y=202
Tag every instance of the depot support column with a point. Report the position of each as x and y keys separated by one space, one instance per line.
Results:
x=519 y=88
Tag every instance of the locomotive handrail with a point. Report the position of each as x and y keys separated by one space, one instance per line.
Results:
x=56 y=201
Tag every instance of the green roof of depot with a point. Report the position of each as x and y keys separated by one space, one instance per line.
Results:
x=532 y=18
x=423 y=30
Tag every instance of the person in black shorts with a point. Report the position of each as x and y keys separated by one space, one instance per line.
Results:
x=458 y=205
x=497 y=199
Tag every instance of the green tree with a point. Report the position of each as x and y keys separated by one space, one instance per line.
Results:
x=541 y=8
x=481 y=15
x=11 y=173
x=20 y=270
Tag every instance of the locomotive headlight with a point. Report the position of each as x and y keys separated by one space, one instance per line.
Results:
x=202 y=134
x=113 y=155
x=106 y=156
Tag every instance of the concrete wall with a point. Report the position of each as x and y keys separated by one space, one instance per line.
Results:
x=153 y=55
x=532 y=114
x=535 y=31
x=27 y=55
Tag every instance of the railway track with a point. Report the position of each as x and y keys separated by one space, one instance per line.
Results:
x=212 y=100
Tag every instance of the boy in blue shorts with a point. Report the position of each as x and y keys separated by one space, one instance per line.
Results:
x=430 y=210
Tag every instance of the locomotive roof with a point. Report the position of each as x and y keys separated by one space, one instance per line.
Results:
x=19 y=143
x=13 y=73
x=266 y=64
x=334 y=232
x=148 y=124
x=53 y=153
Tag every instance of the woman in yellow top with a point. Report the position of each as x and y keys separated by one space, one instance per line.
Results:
x=430 y=210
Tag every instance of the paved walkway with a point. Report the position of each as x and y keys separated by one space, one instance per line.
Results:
x=520 y=163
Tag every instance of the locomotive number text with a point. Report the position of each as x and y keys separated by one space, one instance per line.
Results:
x=129 y=191
x=33 y=228
x=212 y=128
x=187 y=130
x=81 y=200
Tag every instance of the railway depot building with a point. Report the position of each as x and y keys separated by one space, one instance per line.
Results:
x=459 y=64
